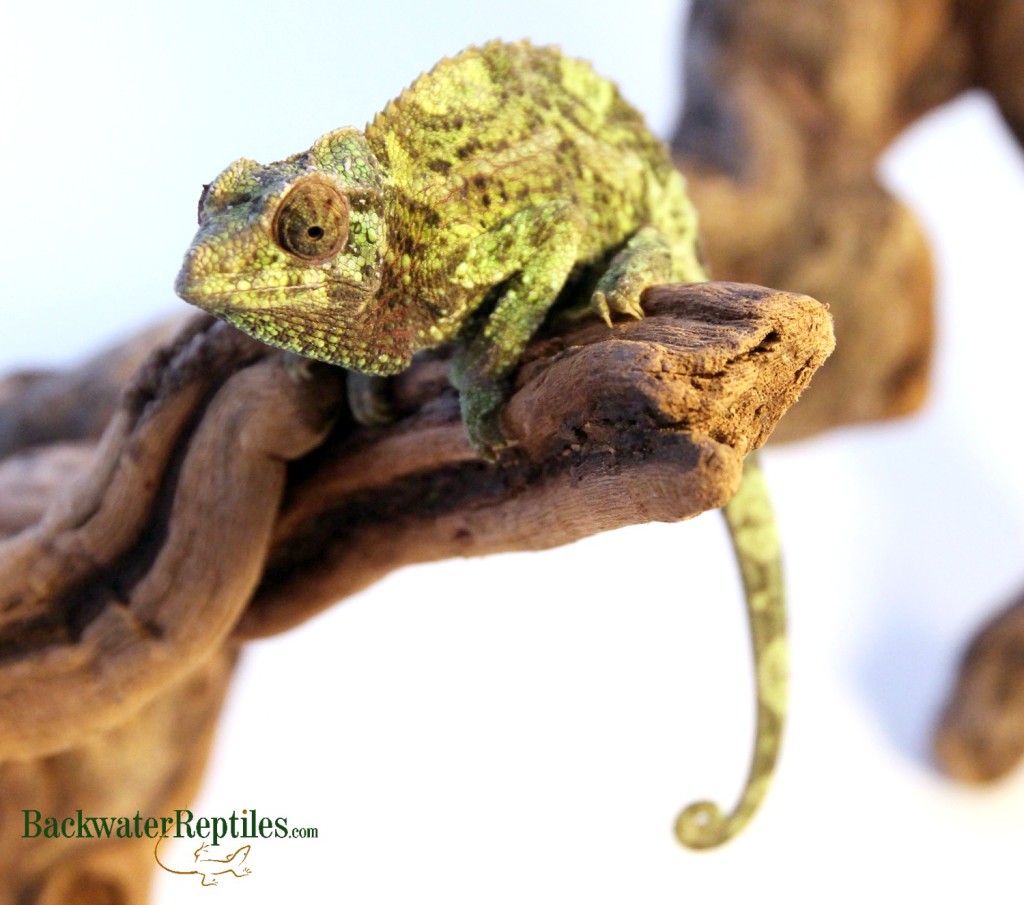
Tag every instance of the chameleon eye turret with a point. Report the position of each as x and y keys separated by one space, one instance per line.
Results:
x=312 y=220
x=497 y=179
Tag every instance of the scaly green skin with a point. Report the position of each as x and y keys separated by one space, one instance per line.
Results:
x=459 y=215
x=507 y=166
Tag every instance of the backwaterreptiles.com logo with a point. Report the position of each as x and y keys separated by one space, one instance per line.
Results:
x=183 y=825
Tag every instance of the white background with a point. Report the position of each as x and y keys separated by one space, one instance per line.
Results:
x=525 y=728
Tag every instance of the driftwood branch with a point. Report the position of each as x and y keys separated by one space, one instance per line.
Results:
x=46 y=407
x=231 y=495
x=980 y=735
x=648 y=423
x=789 y=106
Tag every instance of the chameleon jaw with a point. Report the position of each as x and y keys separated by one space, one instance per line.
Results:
x=221 y=293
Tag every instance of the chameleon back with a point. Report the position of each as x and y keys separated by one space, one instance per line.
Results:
x=509 y=126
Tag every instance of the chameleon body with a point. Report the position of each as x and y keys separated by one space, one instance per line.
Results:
x=459 y=215
x=498 y=177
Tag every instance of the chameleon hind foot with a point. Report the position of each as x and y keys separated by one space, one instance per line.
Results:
x=370 y=399
x=756 y=543
x=645 y=260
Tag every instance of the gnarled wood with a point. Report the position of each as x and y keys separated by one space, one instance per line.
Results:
x=149 y=560
x=980 y=735
x=649 y=422
x=789 y=105
x=232 y=495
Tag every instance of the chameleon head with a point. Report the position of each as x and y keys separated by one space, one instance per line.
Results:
x=291 y=252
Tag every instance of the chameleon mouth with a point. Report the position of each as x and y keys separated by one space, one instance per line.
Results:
x=226 y=292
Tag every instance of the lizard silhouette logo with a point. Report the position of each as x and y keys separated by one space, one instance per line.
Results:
x=207 y=868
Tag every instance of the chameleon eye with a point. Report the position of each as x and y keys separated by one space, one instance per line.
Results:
x=312 y=221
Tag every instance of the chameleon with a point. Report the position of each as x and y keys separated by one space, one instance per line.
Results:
x=491 y=182
x=504 y=178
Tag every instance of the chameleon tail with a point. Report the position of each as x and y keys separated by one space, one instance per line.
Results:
x=756 y=543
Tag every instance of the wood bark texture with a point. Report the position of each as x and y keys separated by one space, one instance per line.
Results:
x=232 y=496
x=789 y=105
x=980 y=734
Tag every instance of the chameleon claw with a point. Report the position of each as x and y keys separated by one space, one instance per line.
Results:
x=620 y=302
x=369 y=398
x=633 y=309
x=490 y=447
x=599 y=303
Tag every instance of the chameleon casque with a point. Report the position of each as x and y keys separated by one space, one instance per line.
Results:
x=501 y=177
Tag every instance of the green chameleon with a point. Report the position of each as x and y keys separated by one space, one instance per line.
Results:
x=502 y=176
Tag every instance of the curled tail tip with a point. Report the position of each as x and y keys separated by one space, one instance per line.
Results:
x=702 y=825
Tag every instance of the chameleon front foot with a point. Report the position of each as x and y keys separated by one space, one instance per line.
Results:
x=481 y=401
x=485 y=436
x=755 y=540
x=645 y=260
